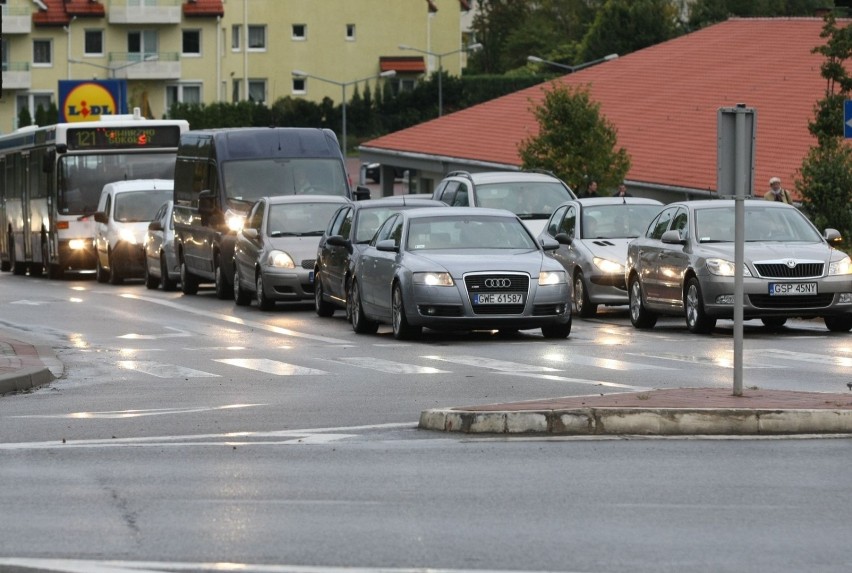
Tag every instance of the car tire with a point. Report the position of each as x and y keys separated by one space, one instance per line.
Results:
x=774 y=322
x=101 y=274
x=321 y=306
x=167 y=283
x=263 y=301
x=188 y=281
x=697 y=320
x=557 y=330
x=583 y=307
x=115 y=277
x=360 y=323
x=402 y=330
x=640 y=317
x=223 y=289
x=242 y=297
x=842 y=323
x=151 y=282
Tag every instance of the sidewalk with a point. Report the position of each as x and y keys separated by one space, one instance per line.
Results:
x=24 y=365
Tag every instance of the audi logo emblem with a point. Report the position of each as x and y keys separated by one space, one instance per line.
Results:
x=498 y=283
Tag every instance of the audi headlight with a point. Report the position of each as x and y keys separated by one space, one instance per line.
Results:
x=841 y=267
x=551 y=278
x=127 y=236
x=235 y=220
x=723 y=268
x=607 y=266
x=280 y=260
x=432 y=279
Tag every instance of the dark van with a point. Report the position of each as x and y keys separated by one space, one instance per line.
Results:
x=219 y=175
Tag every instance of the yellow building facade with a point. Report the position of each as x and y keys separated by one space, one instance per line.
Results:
x=206 y=51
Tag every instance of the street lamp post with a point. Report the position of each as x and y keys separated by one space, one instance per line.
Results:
x=470 y=48
x=301 y=74
x=571 y=69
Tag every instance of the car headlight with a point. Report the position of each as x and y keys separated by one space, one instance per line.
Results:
x=551 y=278
x=77 y=244
x=127 y=236
x=607 y=266
x=724 y=268
x=432 y=279
x=280 y=260
x=235 y=221
x=841 y=267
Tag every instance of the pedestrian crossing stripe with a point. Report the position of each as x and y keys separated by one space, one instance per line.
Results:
x=271 y=366
x=389 y=366
x=161 y=370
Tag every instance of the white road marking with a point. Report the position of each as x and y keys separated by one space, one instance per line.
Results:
x=121 y=414
x=30 y=302
x=608 y=363
x=271 y=366
x=725 y=360
x=807 y=357
x=161 y=370
x=237 y=320
x=177 y=334
x=492 y=364
x=578 y=381
x=389 y=366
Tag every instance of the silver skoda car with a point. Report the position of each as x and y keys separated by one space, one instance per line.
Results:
x=593 y=234
x=684 y=265
x=458 y=268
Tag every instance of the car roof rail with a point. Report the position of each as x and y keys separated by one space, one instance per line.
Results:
x=539 y=170
x=460 y=173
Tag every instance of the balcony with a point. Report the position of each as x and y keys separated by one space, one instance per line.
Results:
x=136 y=66
x=17 y=20
x=145 y=11
x=17 y=75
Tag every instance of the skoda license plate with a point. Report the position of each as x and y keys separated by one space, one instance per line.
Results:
x=311 y=277
x=792 y=289
x=498 y=298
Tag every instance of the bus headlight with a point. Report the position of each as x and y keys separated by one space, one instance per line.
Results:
x=235 y=221
x=77 y=244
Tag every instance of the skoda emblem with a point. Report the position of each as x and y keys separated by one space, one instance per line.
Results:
x=498 y=283
x=790 y=263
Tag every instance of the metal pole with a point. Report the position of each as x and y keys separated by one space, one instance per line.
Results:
x=740 y=169
x=344 y=121
x=440 y=86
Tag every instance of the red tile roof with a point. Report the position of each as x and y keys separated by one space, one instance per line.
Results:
x=60 y=12
x=84 y=8
x=402 y=64
x=203 y=8
x=664 y=100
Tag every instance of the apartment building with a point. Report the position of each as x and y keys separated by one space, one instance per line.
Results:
x=209 y=51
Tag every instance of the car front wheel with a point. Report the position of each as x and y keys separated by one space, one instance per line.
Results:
x=241 y=297
x=557 y=330
x=640 y=316
x=321 y=306
x=697 y=320
x=188 y=281
x=263 y=301
x=360 y=323
x=582 y=305
x=841 y=323
x=402 y=330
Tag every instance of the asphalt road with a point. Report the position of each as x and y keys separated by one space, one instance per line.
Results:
x=187 y=431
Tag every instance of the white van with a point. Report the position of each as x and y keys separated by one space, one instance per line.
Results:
x=124 y=211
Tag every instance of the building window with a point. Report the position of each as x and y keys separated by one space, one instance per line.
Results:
x=192 y=42
x=93 y=43
x=31 y=103
x=299 y=85
x=300 y=32
x=257 y=91
x=257 y=37
x=235 y=37
x=350 y=32
x=182 y=93
x=235 y=93
x=142 y=44
x=42 y=52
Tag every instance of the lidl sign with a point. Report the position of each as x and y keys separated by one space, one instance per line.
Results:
x=89 y=100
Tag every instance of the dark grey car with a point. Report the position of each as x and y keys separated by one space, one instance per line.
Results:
x=684 y=265
x=349 y=232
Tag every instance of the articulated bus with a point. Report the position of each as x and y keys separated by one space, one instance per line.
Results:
x=51 y=179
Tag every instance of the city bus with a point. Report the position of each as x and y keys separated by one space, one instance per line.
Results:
x=51 y=179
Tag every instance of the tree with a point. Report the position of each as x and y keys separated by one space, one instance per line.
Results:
x=706 y=12
x=624 y=26
x=826 y=172
x=575 y=141
x=24 y=117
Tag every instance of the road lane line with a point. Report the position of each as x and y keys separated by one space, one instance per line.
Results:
x=271 y=366
x=492 y=364
x=161 y=370
x=577 y=381
x=387 y=365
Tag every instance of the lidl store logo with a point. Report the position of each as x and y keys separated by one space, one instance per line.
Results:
x=88 y=102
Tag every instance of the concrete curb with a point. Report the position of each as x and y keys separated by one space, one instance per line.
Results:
x=650 y=421
x=28 y=364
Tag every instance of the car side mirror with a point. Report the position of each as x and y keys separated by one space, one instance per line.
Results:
x=155 y=226
x=549 y=243
x=338 y=241
x=832 y=235
x=387 y=245
x=672 y=238
x=101 y=217
x=362 y=193
x=563 y=239
x=250 y=233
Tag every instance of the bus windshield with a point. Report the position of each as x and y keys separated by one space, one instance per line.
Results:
x=82 y=177
x=250 y=180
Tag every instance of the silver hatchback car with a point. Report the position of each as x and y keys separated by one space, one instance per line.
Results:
x=684 y=265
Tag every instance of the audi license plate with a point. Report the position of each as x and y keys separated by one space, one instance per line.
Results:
x=792 y=289
x=498 y=298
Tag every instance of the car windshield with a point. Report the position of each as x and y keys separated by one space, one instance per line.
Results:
x=716 y=225
x=299 y=219
x=467 y=232
x=621 y=221
x=249 y=180
x=139 y=206
x=526 y=199
x=369 y=219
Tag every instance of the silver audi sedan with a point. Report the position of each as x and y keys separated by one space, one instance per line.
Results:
x=593 y=234
x=684 y=265
x=459 y=268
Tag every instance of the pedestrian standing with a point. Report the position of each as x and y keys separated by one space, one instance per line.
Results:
x=621 y=191
x=777 y=193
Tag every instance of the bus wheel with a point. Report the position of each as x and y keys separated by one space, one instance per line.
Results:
x=53 y=272
x=17 y=268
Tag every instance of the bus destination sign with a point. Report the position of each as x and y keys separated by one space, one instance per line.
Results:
x=123 y=137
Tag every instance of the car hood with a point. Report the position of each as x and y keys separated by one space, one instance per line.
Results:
x=769 y=251
x=459 y=262
x=299 y=248
x=614 y=250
